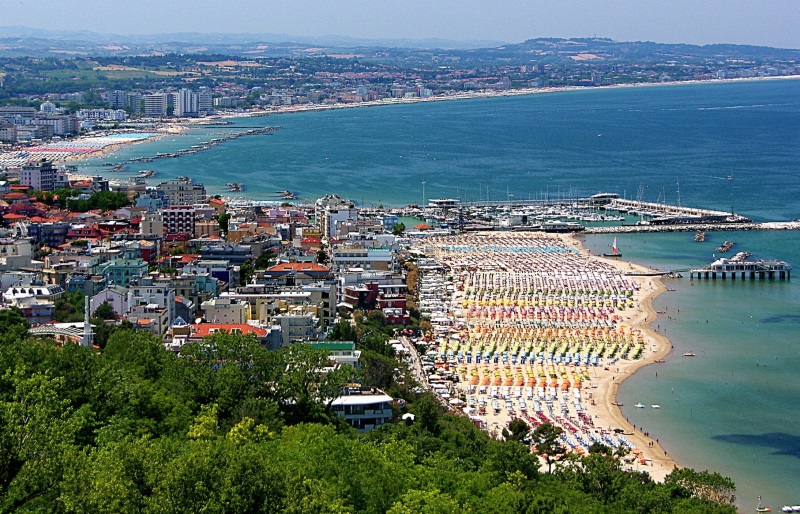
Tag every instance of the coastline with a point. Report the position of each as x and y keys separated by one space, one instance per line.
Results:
x=609 y=412
x=471 y=95
x=491 y=310
x=161 y=131
x=181 y=125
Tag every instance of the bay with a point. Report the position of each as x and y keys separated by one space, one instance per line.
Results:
x=734 y=407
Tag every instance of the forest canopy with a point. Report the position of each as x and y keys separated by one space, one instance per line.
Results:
x=228 y=426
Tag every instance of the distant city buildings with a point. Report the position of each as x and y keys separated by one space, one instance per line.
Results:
x=155 y=105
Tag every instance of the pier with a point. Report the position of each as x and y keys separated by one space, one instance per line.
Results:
x=675 y=213
x=705 y=227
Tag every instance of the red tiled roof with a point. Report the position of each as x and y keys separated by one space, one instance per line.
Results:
x=13 y=216
x=298 y=266
x=206 y=329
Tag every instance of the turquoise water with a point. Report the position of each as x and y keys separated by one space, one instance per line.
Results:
x=734 y=407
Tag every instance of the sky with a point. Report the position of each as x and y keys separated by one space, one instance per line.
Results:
x=757 y=22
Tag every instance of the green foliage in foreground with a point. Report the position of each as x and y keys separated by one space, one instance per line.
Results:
x=231 y=427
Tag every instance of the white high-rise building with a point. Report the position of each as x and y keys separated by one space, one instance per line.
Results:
x=204 y=102
x=135 y=102
x=48 y=107
x=186 y=104
x=118 y=99
x=40 y=175
x=152 y=224
x=155 y=105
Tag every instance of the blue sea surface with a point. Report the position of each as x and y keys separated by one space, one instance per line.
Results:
x=735 y=408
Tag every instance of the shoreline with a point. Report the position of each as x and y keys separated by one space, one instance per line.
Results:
x=481 y=94
x=489 y=275
x=642 y=318
x=182 y=125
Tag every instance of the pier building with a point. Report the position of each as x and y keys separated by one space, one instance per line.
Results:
x=725 y=268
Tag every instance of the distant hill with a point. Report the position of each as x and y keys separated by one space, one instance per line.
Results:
x=19 y=41
x=608 y=49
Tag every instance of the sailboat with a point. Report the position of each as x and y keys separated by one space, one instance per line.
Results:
x=614 y=251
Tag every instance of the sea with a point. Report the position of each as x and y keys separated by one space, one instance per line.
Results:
x=732 y=409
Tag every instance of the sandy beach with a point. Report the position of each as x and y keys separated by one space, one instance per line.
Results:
x=504 y=265
x=475 y=94
x=657 y=347
x=94 y=145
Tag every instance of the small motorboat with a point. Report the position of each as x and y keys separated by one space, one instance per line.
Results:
x=639 y=405
x=656 y=406
x=689 y=354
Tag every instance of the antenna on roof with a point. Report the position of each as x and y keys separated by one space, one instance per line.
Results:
x=86 y=340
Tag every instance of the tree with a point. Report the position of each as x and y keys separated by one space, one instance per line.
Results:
x=427 y=410
x=377 y=316
x=36 y=428
x=263 y=260
x=378 y=369
x=322 y=257
x=104 y=311
x=13 y=325
x=303 y=387
x=223 y=220
x=704 y=484
x=398 y=229
x=546 y=439
x=69 y=308
x=425 y=327
x=417 y=501
x=517 y=430
x=246 y=272
x=342 y=331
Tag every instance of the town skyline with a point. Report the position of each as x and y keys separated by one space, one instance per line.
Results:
x=767 y=23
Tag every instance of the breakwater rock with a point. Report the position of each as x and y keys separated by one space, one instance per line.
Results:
x=705 y=227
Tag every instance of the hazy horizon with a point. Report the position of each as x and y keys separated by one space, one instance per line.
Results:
x=764 y=23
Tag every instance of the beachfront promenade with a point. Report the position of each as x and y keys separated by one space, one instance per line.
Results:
x=537 y=330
